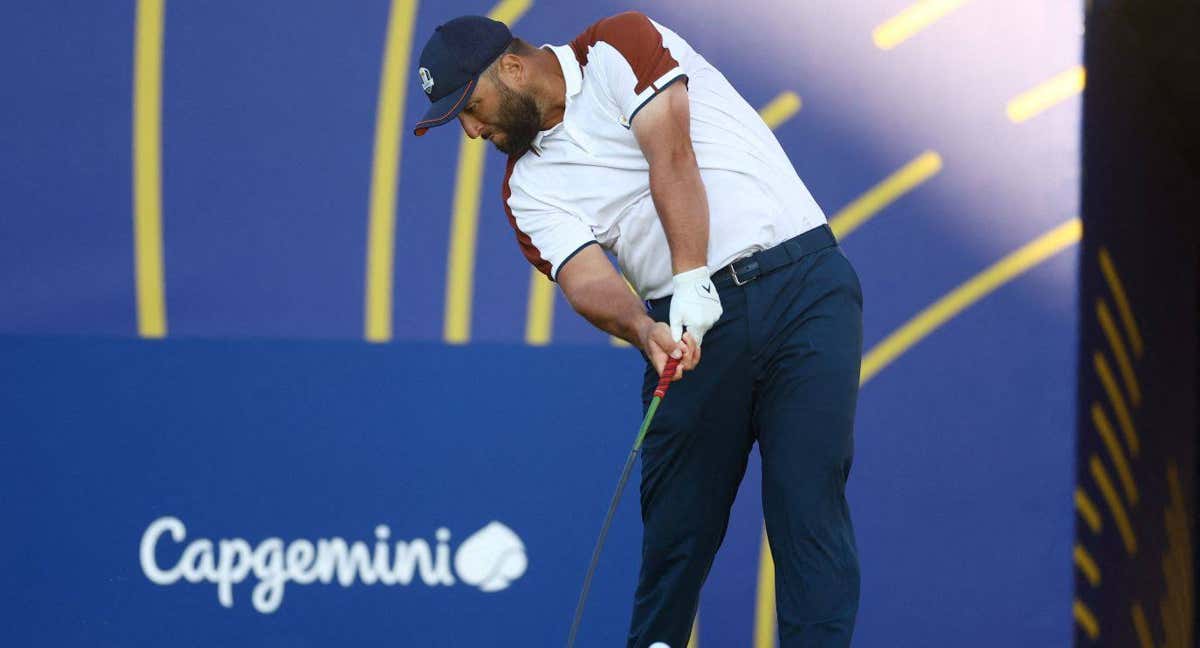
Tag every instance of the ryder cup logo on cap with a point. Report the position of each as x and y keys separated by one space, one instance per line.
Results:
x=456 y=54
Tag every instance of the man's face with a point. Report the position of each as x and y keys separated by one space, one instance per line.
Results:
x=508 y=118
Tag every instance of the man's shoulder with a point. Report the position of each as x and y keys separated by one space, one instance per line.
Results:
x=627 y=32
x=616 y=24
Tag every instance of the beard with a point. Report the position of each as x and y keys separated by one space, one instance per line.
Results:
x=519 y=120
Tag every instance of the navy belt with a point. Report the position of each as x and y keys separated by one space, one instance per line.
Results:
x=743 y=271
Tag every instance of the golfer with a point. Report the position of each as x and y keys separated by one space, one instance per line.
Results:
x=626 y=140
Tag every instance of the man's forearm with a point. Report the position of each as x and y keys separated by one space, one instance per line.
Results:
x=682 y=204
x=663 y=131
x=609 y=305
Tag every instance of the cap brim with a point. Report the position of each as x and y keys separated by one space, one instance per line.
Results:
x=446 y=108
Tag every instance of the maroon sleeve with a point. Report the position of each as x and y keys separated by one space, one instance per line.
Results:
x=637 y=39
x=524 y=241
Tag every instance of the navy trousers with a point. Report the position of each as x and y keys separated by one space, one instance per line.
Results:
x=781 y=368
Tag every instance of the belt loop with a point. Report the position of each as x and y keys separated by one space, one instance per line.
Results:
x=795 y=249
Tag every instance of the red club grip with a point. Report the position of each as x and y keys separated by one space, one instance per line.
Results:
x=665 y=381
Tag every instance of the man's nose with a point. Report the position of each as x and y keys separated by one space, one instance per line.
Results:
x=472 y=127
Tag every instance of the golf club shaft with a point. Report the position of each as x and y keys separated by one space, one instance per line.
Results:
x=659 y=392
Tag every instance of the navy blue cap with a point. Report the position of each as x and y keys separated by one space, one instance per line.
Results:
x=450 y=65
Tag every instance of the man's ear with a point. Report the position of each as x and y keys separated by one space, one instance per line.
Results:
x=512 y=70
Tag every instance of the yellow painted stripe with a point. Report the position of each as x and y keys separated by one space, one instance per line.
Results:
x=900 y=341
x=1046 y=95
x=694 y=638
x=147 y=169
x=974 y=289
x=903 y=180
x=1085 y=619
x=1118 y=347
x=464 y=225
x=1100 y=420
x=1175 y=595
x=510 y=11
x=464 y=219
x=1173 y=484
x=1178 y=563
x=381 y=227
x=1175 y=565
x=1117 y=401
x=1175 y=600
x=764 y=609
x=1104 y=483
x=913 y=19
x=1174 y=636
x=539 y=314
x=539 y=320
x=1087 y=510
x=614 y=340
x=1119 y=297
x=540 y=311
x=780 y=109
x=1083 y=560
x=1140 y=626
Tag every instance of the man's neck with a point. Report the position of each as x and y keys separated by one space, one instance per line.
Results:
x=551 y=95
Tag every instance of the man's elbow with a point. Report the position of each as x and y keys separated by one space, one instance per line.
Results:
x=674 y=165
x=682 y=155
x=672 y=149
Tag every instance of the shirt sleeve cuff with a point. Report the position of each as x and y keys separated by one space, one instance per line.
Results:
x=559 y=267
x=655 y=88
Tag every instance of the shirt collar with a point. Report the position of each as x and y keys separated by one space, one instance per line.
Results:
x=573 y=75
x=570 y=67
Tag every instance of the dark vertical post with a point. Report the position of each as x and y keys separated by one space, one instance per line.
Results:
x=1136 y=467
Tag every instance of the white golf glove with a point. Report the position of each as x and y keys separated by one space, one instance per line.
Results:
x=695 y=304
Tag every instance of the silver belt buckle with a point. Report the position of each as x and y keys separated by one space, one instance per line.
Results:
x=752 y=266
x=733 y=273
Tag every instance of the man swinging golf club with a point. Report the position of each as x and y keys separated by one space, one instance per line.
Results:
x=627 y=140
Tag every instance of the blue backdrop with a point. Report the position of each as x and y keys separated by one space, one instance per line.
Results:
x=265 y=414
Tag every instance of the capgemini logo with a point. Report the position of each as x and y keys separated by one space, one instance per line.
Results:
x=490 y=559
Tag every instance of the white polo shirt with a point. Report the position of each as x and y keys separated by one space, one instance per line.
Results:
x=586 y=180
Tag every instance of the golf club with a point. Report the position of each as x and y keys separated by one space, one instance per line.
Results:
x=661 y=390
